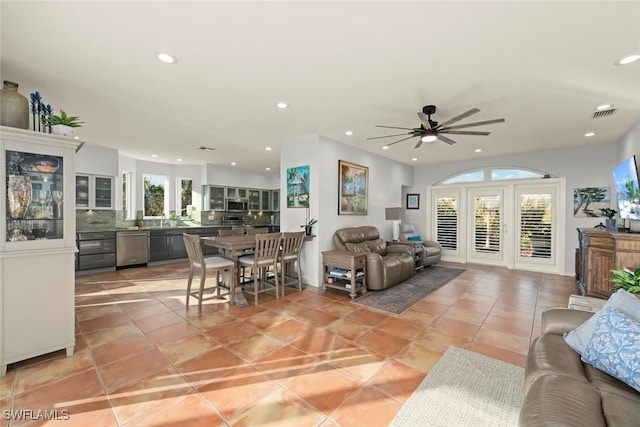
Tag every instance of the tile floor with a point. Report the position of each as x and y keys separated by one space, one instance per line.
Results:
x=309 y=359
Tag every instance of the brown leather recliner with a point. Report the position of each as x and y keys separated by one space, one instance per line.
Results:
x=430 y=251
x=387 y=264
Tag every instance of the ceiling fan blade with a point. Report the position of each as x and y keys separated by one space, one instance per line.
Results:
x=400 y=140
x=465 y=132
x=468 y=125
x=393 y=127
x=389 y=136
x=458 y=118
x=419 y=143
x=445 y=139
x=425 y=121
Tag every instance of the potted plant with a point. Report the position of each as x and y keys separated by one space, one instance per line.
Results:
x=139 y=219
x=609 y=213
x=627 y=280
x=173 y=219
x=63 y=124
x=309 y=226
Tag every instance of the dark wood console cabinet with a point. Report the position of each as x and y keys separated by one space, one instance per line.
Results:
x=601 y=251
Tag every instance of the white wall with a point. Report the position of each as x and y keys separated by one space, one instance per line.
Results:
x=386 y=178
x=228 y=176
x=586 y=166
x=97 y=160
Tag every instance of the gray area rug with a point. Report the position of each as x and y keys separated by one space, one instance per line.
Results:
x=400 y=297
x=465 y=389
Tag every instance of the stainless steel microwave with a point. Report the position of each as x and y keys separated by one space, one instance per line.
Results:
x=237 y=205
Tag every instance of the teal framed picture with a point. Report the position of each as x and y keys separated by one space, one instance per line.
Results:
x=298 y=187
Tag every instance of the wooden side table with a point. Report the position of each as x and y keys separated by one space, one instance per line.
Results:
x=348 y=269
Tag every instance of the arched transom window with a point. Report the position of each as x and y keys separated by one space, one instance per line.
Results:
x=493 y=174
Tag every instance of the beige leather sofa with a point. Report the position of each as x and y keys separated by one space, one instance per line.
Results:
x=430 y=250
x=387 y=264
x=561 y=390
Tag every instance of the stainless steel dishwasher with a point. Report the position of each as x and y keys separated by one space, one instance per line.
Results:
x=132 y=248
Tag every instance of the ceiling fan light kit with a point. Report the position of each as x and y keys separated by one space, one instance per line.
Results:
x=430 y=130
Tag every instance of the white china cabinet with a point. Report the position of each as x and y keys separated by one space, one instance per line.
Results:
x=38 y=244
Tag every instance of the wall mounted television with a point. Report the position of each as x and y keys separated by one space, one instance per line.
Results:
x=625 y=177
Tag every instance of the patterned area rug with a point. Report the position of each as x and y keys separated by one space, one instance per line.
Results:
x=400 y=297
x=465 y=389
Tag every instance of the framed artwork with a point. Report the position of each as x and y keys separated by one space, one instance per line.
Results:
x=298 y=187
x=588 y=201
x=353 y=186
x=413 y=201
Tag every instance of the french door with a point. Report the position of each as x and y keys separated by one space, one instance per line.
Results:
x=515 y=225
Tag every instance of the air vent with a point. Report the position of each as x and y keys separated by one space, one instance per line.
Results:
x=203 y=148
x=603 y=113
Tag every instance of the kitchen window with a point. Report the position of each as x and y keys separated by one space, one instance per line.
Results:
x=185 y=195
x=127 y=196
x=154 y=190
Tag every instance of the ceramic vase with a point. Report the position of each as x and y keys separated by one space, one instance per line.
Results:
x=308 y=230
x=14 y=108
x=63 y=130
x=18 y=195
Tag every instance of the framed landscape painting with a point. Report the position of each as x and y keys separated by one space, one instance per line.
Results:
x=587 y=201
x=298 y=187
x=353 y=183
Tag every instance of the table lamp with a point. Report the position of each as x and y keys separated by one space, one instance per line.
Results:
x=396 y=215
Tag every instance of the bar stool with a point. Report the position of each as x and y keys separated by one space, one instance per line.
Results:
x=213 y=264
x=290 y=254
x=264 y=257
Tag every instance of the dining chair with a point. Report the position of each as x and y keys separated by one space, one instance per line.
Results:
x=258 y=230
x=214 y=264
x=264 y=257
x=290 y=256
x=230 y=231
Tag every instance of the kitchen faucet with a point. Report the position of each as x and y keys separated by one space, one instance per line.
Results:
x=162 y=220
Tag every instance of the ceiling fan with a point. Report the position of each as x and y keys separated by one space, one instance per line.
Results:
x=430 y=130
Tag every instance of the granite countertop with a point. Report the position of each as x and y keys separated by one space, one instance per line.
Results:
x=167 y=227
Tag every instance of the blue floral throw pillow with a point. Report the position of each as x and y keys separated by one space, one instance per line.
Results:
x=615 y=347
x=623 y=301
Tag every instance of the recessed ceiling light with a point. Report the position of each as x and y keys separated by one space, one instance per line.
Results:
x=415 y=159
x=179 y=159
x=282 y=105
x=166 y=58
x=268 y=169
x=348 y=133
x=267 y=148
x=603 y=107
x=628 y=59
x=477 y=150
x=154 y=155
x=233 y=163
x=589 y=134
x=385 y=147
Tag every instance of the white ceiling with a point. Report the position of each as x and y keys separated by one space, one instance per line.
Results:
x=543 y=66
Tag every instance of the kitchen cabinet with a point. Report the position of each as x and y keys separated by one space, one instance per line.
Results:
x=94 y=192
x=169 y=244
x=255 y=200
x=213 y=198
x=265 y=200
x=236 y=193
x=275 y=200
x=37 y=255
x=96 y=250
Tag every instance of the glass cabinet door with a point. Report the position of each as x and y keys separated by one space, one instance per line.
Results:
x=34 y=196
x=82 y=191
x=103 y=192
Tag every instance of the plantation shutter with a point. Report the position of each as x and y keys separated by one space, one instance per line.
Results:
x=447 y=221
x=487 y=223
x=536 y=211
